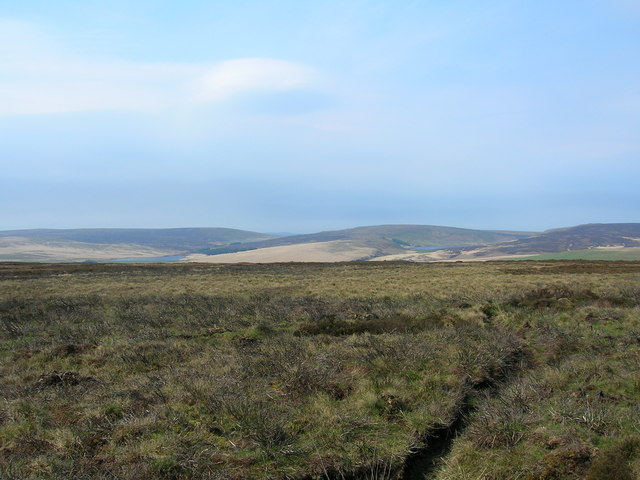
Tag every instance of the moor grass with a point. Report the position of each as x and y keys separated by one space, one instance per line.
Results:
x=320 y=370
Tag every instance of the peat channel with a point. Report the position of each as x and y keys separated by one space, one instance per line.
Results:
x=438 y=440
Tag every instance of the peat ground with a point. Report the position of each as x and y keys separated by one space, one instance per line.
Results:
x=292 y=371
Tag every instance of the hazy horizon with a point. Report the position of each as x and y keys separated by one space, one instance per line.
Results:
x=300 y=116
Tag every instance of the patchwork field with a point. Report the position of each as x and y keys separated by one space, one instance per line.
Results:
x=497 y=370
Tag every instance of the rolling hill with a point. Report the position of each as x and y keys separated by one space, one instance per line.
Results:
x=50 y=245
x=581 y=237
x=230 y=245
x=419 y=243
x=582 y=241
x=360 y=243
x=167 y=238
x=574 y=238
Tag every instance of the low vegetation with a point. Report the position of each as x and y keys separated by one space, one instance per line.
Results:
x=447 y=371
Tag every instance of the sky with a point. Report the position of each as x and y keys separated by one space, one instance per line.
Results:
x=300 y=115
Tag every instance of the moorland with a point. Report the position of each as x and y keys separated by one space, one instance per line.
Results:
x=496 y=370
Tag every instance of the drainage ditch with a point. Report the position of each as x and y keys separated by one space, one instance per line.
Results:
x=438 y=441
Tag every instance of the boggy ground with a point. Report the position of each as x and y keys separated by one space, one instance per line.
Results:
x=456 y=371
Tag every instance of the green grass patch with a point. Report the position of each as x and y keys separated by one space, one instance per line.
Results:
x=624 y=254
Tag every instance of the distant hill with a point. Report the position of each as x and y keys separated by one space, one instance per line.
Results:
x=397 y=237
x=592 y=241
x=49 y=245
x=421 y=243
x=360 y=243
x=169 y=238
x=581 y=237
x=230 y=245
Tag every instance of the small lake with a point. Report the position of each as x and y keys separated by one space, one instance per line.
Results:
x=167 y=259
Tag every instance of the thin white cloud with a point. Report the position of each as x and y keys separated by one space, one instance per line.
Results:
x=72 y=86
x=38 y=76
x=233 y=77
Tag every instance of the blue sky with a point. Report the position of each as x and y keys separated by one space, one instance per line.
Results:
x=310 y=115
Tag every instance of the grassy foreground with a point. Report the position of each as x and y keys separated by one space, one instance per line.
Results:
x=522 y=370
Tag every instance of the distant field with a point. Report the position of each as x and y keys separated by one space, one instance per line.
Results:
x=630 y=253
x=458 y=371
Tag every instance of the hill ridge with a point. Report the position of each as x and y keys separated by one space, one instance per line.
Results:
x=412 y=242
